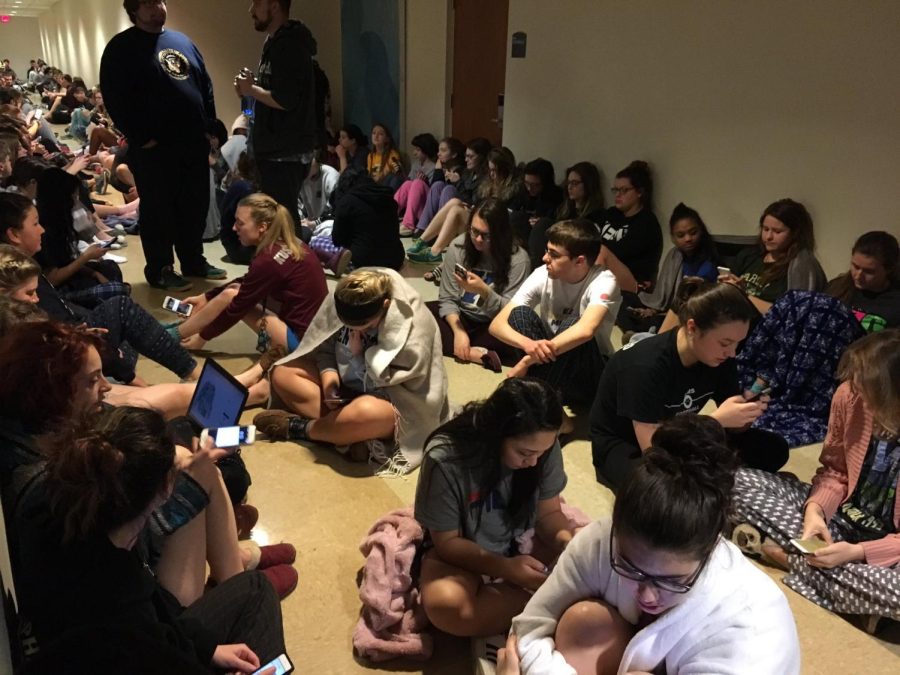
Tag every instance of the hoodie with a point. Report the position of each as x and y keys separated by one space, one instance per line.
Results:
x=286 y=70
x=365 y=221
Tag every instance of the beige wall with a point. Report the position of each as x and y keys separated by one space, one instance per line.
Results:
x=426 y=68
x=74 y=33
x=20 y=41
x=735 y=104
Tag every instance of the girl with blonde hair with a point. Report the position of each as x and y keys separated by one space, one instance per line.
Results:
x=851 y=508
x=278 y=296
x=368 y=377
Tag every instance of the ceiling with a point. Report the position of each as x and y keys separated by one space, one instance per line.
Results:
x=25 y=7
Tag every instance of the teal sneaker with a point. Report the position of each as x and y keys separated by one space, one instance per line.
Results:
x=168 y=280
x=426 y=256
x=417 y=247
x=209 y=272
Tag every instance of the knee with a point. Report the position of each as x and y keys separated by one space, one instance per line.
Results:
x=520 y=313
x=371 y=408
x=231 y=292
x=591 y=623
x=448 y=608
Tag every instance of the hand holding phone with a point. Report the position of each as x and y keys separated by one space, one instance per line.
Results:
x=756 y=396
x=178 y=306
x=229 y=438
x=281 y=665
x=808 y=546
x=460 y=271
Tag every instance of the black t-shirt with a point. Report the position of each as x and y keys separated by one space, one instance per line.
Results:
x=749 y=266
x=876 y=311
x=636 y=241
x=648 y=383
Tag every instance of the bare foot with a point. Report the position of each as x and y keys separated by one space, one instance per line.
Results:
x=250 y=376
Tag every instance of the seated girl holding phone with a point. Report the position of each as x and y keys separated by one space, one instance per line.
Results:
x=490 y=474
x=483 y=268
x=82 y=536
x=851 y=506
x=368 y=377
x=278 y=296
x=656 y=588
x=680 y=372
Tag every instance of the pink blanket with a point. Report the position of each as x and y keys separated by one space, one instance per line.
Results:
x=392 y=620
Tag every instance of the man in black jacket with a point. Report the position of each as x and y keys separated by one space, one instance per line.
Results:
x=283 y=124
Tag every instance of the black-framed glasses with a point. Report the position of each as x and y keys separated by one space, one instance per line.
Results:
x=479 y=234
x=555 y=255
x=625 y=568
x=621 y=190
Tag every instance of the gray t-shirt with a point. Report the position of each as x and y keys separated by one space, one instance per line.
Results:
x=450 y=496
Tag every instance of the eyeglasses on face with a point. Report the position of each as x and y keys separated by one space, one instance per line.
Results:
x=574 y=182
x=479 y=234
x=625 y=568
x=555 y=255
x=621 y=190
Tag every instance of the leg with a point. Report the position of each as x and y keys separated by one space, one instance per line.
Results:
x=190 y=186
x=771 y=503
x=200 y=319
x=576 y=372
x=454 y=224
x=415 y=205
x=282 y=182
x=457 y=602
x=275 y=327
x=170 y=400
x=432 y=204
x=298 y=385
x=362 y=419
x=401 y=196
x=243 y=609
x=126 y=321
x=434 y=227
x=592 y=637
x=614 y=460
x=158 y=217
x=102 y=136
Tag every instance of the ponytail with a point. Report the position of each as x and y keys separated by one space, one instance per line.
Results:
x=264 y=209
x=679 y=497
x=711 y=305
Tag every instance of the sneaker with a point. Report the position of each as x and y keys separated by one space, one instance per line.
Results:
x=426 y=256
x=276 y=425
x=246 y=517
x=118 y=226
x=484 y=653
x=417 y=246
x=407 y=231
x=209 y=272
x=748 y=539
x=168 y=280
x=283 y=579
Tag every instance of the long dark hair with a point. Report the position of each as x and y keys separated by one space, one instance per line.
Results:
x=797 y=219
x=495 y=214
x=55 y=201
x=519 y=406
x=706 y=249
x=105 y=470
x=593 y=195
x=879 y=245
x=481 y=147
x=679 y=497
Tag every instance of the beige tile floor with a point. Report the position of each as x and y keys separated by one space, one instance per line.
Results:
x=324 y=505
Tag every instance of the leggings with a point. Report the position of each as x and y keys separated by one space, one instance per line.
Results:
x=130 y=328
x=479 y=336
x=439 y=194
x=615 y=458
x=411 y=198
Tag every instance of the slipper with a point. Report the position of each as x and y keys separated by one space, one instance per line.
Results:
x=434 y=275
x=491 y=360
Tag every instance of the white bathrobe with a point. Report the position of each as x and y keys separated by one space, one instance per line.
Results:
x=734 y=620
x=407 y=362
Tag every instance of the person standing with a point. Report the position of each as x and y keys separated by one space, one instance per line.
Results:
x=151 y=76
x=283 y=127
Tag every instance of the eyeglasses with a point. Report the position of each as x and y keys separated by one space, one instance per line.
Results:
x=479 y=234
x=621 y=190
x=625 y=568
x=555 y=255
x=574 y=183
x=471 y=155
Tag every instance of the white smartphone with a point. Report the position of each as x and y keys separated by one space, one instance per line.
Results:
x=282 y=665
x=810 y=545
x=724 y=270
x=38 y=113
x=177 y=306
x=229 y=437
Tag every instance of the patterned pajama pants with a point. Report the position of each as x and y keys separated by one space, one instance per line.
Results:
x=774 y=505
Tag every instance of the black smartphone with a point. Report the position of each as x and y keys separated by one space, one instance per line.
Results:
x=756 y=397
x=460 y=270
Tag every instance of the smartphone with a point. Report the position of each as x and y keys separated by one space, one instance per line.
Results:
x=230 y=437
x=282 y=665
x=107 y=243
x=756 y=397
x=39 y=113
x=177 y=306
x=724 y=270
x=460 y=270
x=810 y=545
x=339 y=401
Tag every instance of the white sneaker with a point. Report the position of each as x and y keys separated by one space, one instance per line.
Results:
x=118 y=227
x=484 y=653
x=118 y=259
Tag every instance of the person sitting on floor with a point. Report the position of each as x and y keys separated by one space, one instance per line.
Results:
x=563 y=314
x=368 y=374
x=490 y=474
x=352 y=148
x=283 y=272
x=851 y=509
x=656 y=588
x=871 y=289
x=79 y=548
x=242 y=184
x=541 y=199
x=383 y=164
x=495 y=267
x=437 y=191
x=784 y=258
x=315 y=194
x=411 y=195
x=676 y=373
x=693 y=255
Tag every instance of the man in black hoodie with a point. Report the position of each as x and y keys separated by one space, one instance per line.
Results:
x=283 y=125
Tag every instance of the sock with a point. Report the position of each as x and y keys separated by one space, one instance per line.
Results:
x=297 y=428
